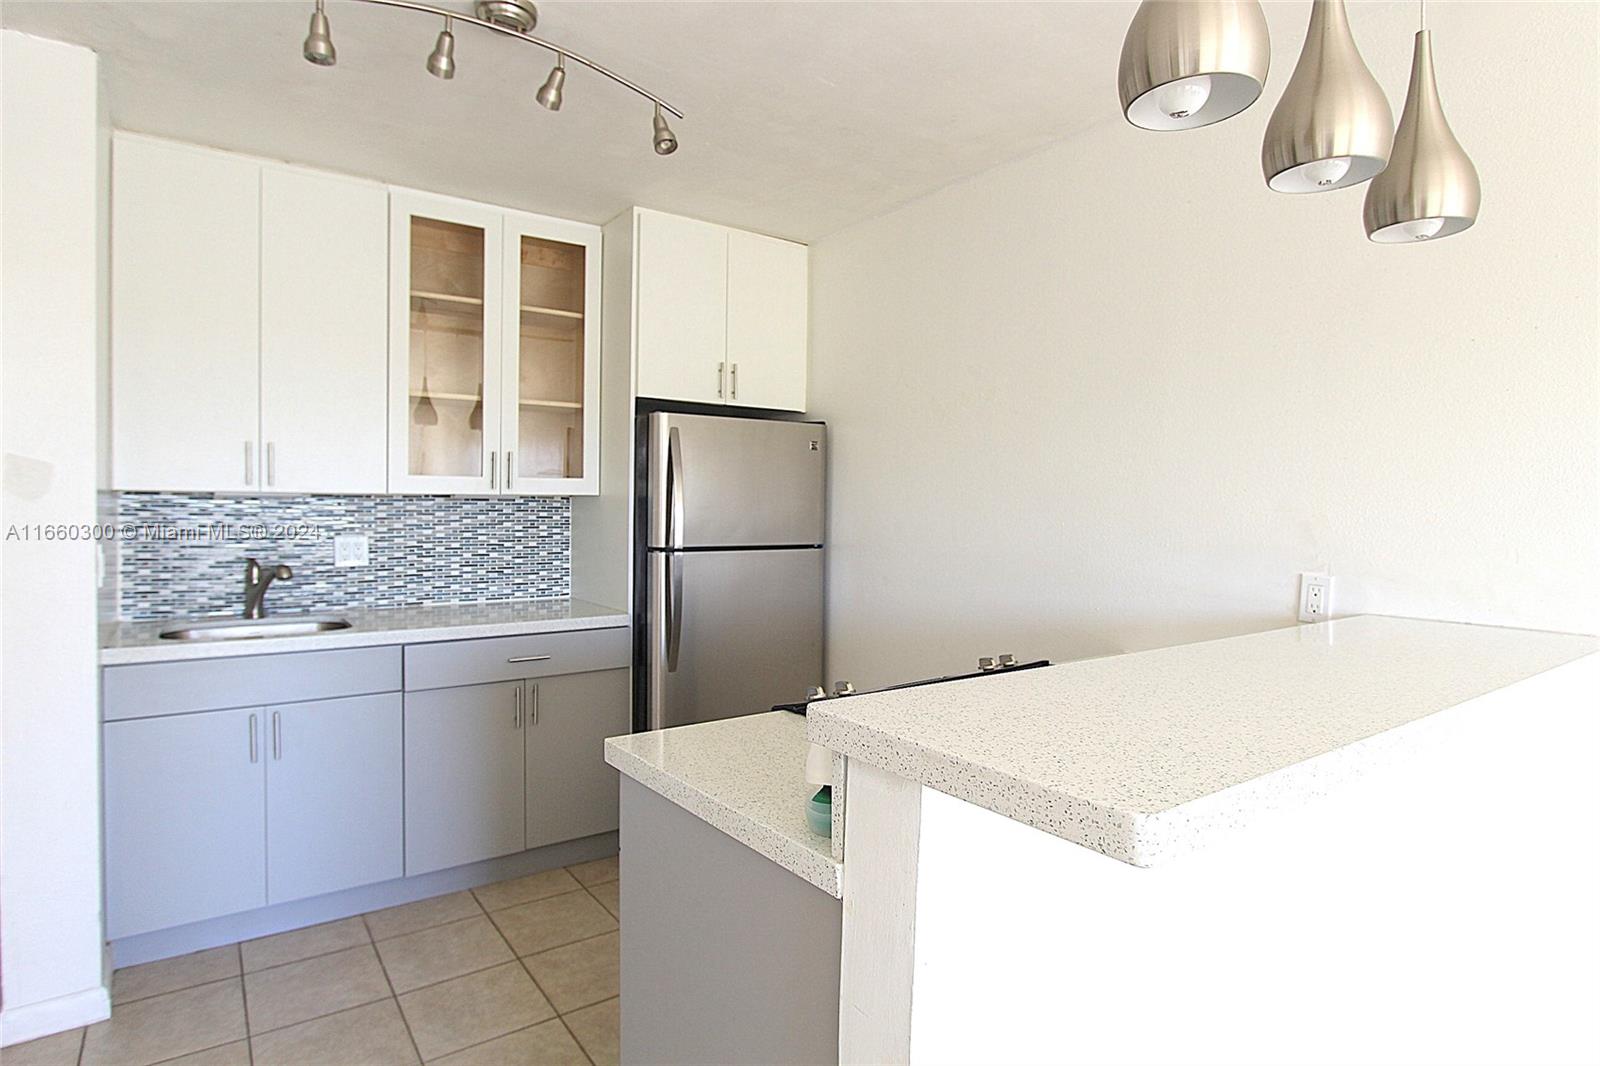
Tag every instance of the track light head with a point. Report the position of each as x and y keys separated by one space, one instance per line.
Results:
x=549 y=94
x=666 y=142
x=318 y=46
x=442 y=61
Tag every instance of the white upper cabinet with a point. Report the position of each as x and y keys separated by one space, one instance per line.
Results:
x=767 y=321
x=185 y=298
x=324 y=332
x=446 y=313
x=682 y=309
x=249 y=331
x=720 y=315
x=550 y=424
x=494 y=350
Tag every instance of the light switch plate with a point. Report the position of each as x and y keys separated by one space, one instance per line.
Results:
x=350 y=549
x=1316 y=597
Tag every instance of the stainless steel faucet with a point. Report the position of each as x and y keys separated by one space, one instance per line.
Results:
x=255 y=586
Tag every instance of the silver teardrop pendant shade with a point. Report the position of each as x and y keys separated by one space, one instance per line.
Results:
x=1189 y=63
x=1333 y=127
x=1430 y=188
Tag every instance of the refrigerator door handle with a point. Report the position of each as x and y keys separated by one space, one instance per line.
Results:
x=674 y=594
x=674 y=489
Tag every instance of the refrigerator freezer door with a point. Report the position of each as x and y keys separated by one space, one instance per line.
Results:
x=731 y=633
x=734 y=482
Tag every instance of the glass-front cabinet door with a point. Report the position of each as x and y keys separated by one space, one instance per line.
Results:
x=550 y=403
x=446 y=325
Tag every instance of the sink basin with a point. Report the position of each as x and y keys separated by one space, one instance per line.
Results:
x=254 y=628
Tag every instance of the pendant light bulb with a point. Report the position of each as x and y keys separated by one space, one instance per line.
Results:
x=666 y=142
x=1190 y=64
x=1333 y=127
x=549 y=94
x=318 y=47
x=1430 y=188
x=1180 y=99
x=442 y=60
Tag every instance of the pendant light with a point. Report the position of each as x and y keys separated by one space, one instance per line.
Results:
x=1430 y=188
x=1333 y=127
x=424 y=413
x=1189 y=63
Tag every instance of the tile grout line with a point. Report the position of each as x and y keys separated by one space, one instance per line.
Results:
x=197 y=1051
x=244 y=997
x=521 y=962
x=83 y=1042
x=394 y=996
x=575 y=1039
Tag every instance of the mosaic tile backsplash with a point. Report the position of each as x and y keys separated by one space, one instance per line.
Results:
x=181 y=555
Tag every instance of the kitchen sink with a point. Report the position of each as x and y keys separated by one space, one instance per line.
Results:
x=254 y=628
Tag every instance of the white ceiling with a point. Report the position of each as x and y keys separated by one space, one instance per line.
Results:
x=801 y=117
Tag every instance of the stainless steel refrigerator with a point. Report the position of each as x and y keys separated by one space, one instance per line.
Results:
x=729 y=589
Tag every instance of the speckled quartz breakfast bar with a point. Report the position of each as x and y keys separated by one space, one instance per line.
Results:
x=1141 y=756
x=744 y=776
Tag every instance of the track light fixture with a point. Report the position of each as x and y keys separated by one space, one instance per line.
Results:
x=442 y=62
x=509 y=18
x=318 y=47
x=549 y=94
x=666 y=142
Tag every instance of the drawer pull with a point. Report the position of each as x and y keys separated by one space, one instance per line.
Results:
x=527 y=658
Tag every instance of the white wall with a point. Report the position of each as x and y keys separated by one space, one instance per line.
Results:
x=1118 y=394
x=52 y=231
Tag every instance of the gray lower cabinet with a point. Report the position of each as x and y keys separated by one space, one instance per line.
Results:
x=494 y=769
x=185 y=819
x=334 y=795
x=464 y=775
x=571 y=792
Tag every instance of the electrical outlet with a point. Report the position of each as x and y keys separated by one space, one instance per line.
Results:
x=1316 y=597
x=350 y=549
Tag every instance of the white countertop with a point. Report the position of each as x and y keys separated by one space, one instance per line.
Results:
x=140 y=642
x=1139 y=756
x=744 y=776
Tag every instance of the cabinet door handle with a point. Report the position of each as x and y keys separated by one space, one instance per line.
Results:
x=508 y=471
x=252 y=738
x=492 y=457
x=722 y=376
x=277 y=735
x=249 y=463
x=516 y=707
x=528 y=659
x=536 y=705
x=272 y=466
x=733 y=374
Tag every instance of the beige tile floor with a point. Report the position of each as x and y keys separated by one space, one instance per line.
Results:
x=522 y=971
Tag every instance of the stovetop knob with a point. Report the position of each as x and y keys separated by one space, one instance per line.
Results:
x=1007 y=661
x=986 y=663
x=816 y=692
x=843 y=688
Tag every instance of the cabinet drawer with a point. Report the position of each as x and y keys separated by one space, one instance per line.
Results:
x=477 y=662
x=149 y=689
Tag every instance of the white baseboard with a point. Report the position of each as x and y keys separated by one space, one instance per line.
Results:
x=30 y=1021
